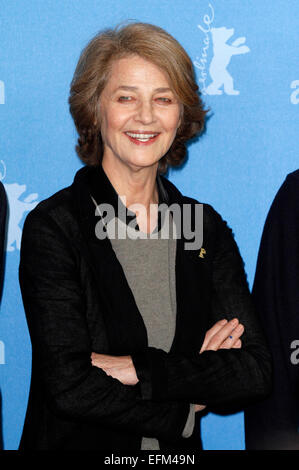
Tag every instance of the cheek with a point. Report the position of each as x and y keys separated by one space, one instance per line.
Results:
x=111 y=123
x=173 y=122
x=172 y=119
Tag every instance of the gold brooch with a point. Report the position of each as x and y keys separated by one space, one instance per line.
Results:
x=202 y=253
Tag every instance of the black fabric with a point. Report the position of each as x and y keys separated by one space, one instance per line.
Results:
x=274 y=423
x=3 y=211
x=77 y=300
x=3 y=215
x=106 y=192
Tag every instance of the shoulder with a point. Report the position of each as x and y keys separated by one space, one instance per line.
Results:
x=286 y=200
x=54 y=213
x=293 y=177
x=59 y=201
x=283 y=215
x=51 y=229
x=291 y=184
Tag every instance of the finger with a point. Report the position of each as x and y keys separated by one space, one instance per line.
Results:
x=218 y=338
x=238 y=344
x=233 y=338
x=211 y=332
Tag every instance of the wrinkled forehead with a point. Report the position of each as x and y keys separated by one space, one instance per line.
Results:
x=135 y=71
x=137 y=74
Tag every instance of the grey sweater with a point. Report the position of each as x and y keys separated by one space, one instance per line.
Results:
x=149 y=266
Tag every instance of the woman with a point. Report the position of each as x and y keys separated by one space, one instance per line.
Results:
x=133 y=336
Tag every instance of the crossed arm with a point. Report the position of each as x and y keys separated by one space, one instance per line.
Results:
x=223 y=373
x=223 y=335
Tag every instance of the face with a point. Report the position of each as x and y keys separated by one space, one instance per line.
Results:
x=139 y=114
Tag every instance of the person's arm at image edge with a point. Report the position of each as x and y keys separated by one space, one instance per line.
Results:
x=274 y=422
x=3 y=211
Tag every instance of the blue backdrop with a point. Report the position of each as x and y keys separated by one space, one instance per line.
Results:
x=246 y=59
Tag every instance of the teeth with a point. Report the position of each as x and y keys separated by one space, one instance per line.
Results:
x=142 y=137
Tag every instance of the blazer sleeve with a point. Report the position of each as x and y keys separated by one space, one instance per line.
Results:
x=273 y=423
x=54 y=303
x=224 y=377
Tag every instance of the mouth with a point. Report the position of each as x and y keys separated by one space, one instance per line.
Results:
x=142 y=138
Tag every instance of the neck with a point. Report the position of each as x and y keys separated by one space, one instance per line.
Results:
x=138 y=185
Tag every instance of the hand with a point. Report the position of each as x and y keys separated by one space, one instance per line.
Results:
x=118 y=367
x=222 y=335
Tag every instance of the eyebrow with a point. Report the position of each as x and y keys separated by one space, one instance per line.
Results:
x=134 y=88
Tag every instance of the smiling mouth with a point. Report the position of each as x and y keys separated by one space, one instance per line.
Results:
x=142 y=137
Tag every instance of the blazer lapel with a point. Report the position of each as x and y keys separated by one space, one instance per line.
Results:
x=124 y=324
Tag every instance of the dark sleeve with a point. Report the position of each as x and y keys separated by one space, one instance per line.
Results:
x=273 y=424
x=54 y=303
x=3 y=210
x=223 y=377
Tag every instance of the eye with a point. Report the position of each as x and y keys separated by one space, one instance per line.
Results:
x=125 y=98
x=164 y=99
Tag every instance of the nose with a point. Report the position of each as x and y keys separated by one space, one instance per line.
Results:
x=145 y=112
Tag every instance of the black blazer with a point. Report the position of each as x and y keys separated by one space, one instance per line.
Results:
x=274 y=422
x=3 y=211
x=77 y=300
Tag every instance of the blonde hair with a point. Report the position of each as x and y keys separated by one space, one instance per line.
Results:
x=92 y=73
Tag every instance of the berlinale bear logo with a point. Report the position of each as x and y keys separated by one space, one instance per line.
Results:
x=17 y=208
x=222 y=54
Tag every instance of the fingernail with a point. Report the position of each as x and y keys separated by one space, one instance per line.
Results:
x=235 y=321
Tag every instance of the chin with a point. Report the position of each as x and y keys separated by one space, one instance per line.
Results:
x=144 y=162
